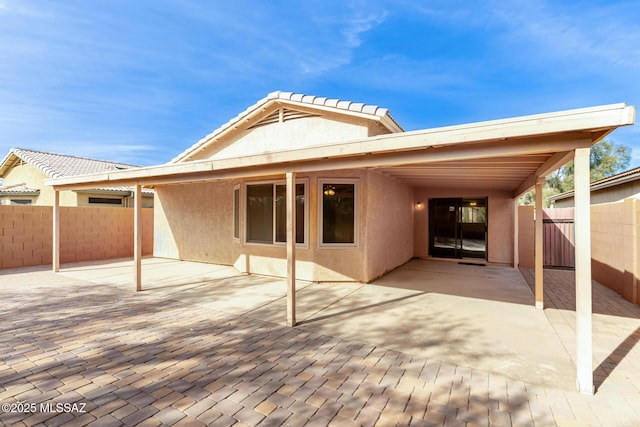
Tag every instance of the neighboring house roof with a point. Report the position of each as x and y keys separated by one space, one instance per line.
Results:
x=60 y=166
x=610 y=181
x=373 y=112
x=18 y=190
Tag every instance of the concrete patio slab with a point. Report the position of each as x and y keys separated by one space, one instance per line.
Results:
x=473 y=316
x=168 y=356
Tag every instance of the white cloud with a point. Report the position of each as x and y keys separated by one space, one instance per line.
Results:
x=593 y=37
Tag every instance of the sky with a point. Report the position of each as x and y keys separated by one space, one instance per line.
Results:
x=140 y=81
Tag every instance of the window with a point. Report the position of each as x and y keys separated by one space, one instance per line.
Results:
x=105 y=201
x=267 y=213
x=281 y=213
x=20 y=201
x=338 y=212
x=236 y=213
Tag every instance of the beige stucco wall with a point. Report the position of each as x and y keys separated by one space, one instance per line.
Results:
x=389 y=224
x=195 y=222
x=33 y=178
x=291 y=134
x=127 y=201
x=500 y=233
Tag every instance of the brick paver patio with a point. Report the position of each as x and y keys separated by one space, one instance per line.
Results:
x=120 y=358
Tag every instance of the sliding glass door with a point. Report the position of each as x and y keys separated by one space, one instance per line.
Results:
x=458 y=228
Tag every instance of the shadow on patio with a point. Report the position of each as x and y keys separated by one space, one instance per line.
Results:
x=477 y=317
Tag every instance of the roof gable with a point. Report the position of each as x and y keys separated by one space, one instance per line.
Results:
x=280 y=107
x=58 y=165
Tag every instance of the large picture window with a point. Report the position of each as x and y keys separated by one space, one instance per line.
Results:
x=338 y=212
x=267 y=213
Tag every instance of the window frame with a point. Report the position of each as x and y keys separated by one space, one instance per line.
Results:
x=106 y=201
x=356 y=213
x=237 y=210
x=274 y=243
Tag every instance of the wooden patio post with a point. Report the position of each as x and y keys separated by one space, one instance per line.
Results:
x=55 y=256
x=137 y=238
x=516 y=236
x=584 y=345
x=539 y=271
x=291 y=248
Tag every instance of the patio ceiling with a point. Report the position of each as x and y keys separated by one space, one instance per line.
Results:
x=505 y=173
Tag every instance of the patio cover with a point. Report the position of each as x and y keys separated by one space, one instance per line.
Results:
x=511 y=154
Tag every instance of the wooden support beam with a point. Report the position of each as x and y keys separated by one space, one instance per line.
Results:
x=539 y=271
x=554 y=162
x=55 y=259
x=137 y=233
x=291 y=248
x=516 y=237
x=635 y=249
x=584 y=343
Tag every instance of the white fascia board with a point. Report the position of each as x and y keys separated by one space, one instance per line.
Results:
x=586 y=119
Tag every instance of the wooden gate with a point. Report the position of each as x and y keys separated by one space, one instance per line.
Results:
x=559 y=238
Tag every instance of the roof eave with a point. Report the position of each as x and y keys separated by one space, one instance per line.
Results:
x=571 y=122
x=4 y=166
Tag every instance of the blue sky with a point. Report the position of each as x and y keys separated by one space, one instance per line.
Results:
x=140 y=81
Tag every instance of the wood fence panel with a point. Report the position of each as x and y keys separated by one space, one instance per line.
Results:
x=559 y=238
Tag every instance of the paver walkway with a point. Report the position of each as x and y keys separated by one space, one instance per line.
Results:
x=126 y=358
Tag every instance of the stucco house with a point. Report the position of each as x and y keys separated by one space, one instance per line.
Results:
x=319 y=189
x=615 y=188
x=24 y=171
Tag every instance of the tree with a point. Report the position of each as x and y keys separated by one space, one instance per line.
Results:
x=607 y=158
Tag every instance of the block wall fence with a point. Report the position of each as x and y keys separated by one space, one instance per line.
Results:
x=86 y=234
x=615 y=245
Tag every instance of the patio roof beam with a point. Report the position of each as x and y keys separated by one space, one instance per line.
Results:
x=557 y=160
x=273 y=164
x=538 y=127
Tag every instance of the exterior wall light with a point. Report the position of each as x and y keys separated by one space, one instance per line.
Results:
x=419 y=205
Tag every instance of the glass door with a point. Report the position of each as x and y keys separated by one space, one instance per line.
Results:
x=473 y=228
x=443 y=228
x=458 y=228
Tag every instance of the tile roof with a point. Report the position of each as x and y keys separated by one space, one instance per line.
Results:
x=18 y=189
x=297 y=98
x=60 y=165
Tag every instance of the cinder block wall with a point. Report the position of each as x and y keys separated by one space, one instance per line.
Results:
x=615 y=247
x=86 y=234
